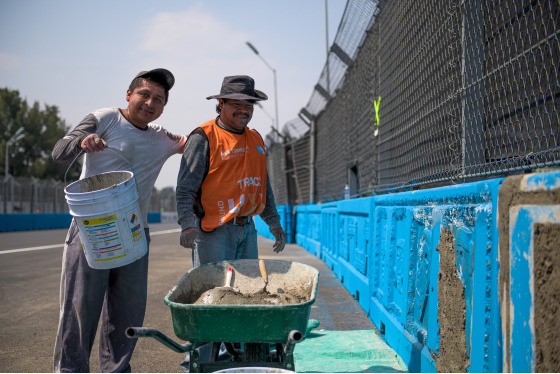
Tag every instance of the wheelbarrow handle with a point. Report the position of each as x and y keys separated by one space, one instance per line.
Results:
x=294 y=337
x=146 y=332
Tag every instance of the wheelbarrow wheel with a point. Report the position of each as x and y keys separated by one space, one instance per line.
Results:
x=256 y=352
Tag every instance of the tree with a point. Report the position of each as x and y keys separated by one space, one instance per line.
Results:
x=30 y=156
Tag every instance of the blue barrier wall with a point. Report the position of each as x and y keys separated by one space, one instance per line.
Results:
x=423 y=265
x=408 y=281
x=46 y=221
x=286 y=220
x=29 y=221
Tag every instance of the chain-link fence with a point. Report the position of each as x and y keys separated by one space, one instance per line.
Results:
x=31 y=195
x=417 y=93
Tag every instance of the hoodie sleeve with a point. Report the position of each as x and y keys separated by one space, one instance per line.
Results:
x=67 y=148
x=270 y=215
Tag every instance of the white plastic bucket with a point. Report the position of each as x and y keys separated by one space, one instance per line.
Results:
x=105 y=208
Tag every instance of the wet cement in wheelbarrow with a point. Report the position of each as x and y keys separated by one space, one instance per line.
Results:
x=230 y=296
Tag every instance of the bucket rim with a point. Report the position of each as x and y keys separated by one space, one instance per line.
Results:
x=102 y=189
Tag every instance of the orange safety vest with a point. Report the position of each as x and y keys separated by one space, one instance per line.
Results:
x=236 y=181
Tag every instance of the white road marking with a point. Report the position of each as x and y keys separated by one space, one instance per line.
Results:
x=162 y=232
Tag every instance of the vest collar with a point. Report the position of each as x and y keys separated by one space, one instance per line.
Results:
x=222 y=126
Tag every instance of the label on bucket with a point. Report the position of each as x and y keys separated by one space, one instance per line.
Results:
x=135 y=226
x=103 y=237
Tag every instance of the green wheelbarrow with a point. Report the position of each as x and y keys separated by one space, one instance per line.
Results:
x=253 y=335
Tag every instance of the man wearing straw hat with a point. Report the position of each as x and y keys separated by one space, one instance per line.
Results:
x=117 y=295
x=223 y=181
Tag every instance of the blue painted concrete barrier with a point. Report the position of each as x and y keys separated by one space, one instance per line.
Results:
x=154 y=217
x=29 y=221
x=46 y=221
x=405 y=272
x=386 y=252
x=286 y=220
x=308 y=234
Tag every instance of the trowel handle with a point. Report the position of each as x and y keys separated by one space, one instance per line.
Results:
x=263 y=271
x=228 y=276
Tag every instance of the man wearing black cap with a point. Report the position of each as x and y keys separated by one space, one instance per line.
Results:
x=223 y=181
x=119 y=294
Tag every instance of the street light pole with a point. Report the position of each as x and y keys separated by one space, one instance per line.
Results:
x=17 y=136
x=275 y=86
x=272 y=119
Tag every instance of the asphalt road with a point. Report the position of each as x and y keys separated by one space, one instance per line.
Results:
x=29 y=286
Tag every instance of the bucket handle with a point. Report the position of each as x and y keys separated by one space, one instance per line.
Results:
x=82 y=152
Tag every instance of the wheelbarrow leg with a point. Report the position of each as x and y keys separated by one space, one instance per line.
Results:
x=233 y=352
x=194 y=362
x=215 y=352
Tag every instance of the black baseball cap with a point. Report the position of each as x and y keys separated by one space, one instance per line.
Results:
x=161 y=76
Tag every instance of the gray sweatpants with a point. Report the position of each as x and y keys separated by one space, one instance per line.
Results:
x=117 y=295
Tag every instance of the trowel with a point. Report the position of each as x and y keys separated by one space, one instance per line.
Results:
x=227 y=285
x=212 y=295
x=264 y=274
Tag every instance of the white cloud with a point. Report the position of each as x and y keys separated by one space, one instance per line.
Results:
x=187 y=34
x=199 y=50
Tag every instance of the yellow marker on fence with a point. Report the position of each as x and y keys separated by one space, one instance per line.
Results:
x=376 y=106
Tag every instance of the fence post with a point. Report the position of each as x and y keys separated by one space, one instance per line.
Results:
x=312 y=139
x=473 y=137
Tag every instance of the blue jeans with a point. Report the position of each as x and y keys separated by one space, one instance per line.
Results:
x=227 y=242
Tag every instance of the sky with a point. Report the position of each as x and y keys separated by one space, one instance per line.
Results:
x=82 y=55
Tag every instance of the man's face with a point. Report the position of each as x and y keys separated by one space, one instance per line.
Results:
x=145 y=103
x=236 y=114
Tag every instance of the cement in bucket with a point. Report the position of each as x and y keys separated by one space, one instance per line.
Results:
x=105 y=208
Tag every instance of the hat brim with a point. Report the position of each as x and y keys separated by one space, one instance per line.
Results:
x=261 y=96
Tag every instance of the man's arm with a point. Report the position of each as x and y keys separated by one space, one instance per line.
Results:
x=193 y=169
x=271 y=217
x=67 y=148
x=269 y=214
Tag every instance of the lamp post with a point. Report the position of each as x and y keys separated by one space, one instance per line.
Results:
x=275 y=87
x=272 y=119
x=17 y=136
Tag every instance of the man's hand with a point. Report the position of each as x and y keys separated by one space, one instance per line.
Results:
x=93 y=143
x=188 y=237
x=280 y=237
